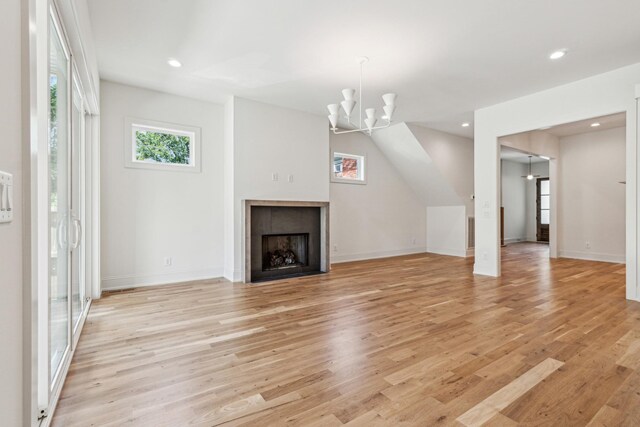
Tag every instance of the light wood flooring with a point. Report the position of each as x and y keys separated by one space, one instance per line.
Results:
x=414 y=340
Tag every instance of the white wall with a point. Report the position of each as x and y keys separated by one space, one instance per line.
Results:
x=596 y=96
x=271 y=140
x=446 y=230
x=11 y=354
x=453 y=156
x=592 y=202
x=383 y=217
x=148 y=215
x=514 y=200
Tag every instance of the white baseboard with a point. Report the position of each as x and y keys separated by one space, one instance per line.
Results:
x=337 y=259
x=515 y=240
x=136 y=281
x=448 y=251
x=591 y=256
x=233 y=276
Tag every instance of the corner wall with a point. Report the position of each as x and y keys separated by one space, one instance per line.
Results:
x=276 y=154
x=148 y=215
x=382 y=218
x=596 y=96
x=592 y=201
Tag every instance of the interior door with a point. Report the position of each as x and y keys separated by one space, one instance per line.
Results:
x=543 y=203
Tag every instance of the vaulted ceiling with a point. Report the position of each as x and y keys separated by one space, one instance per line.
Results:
x=444 y=58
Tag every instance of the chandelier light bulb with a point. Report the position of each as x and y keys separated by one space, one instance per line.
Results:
x=371 y=113
x=529 y=177
x=389 y=98
x=388 y=111
x=348 y=106
x=333 y=109
x=348 y=94
x=333 y=119
x=370 y=122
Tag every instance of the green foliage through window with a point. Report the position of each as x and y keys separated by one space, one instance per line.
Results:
x=158 y=147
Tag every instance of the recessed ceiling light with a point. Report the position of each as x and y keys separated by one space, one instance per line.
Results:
x=595 y=125
x=174 y=63
x=558 y=54
x=466 y=125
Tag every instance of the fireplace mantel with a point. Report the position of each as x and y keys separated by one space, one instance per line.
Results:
x=323 y=207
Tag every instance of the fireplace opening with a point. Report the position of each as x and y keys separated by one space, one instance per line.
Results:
x=282 y=251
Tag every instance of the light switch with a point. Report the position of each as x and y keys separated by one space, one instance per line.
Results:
x=6 y=197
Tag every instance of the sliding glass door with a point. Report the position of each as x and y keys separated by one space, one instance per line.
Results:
x=59 y=199
x=66 y=285
x=77 y=213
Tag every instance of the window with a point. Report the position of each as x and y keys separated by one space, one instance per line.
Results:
x=155 y=145
x=348 y=168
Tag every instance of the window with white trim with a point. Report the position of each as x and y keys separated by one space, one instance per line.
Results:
x=348 y=168
x=156 y=145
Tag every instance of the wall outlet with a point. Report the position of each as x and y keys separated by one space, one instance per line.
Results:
x=335 y=248
x=587 y=245
x=414 y=241
x=274 y=176
x=168 y=261
x=290 y=178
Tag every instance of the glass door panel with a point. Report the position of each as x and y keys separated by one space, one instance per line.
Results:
x=59 y=146
x=77 y=207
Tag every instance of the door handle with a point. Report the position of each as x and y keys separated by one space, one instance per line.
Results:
x=63 y=239
x=77 y=231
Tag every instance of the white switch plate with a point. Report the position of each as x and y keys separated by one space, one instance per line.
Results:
x=6 y=197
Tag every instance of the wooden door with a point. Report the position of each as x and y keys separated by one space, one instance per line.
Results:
x=543 y=209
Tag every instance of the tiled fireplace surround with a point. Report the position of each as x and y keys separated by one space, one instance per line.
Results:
x=269 y=218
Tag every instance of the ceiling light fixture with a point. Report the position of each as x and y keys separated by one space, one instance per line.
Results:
x=595 y=125
x=174 y=63
x=545 y=157
x=349 y=104
x=530 y=175
x=466 y=125
x=558 y=54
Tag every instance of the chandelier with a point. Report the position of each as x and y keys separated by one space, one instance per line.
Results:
x=349 y=103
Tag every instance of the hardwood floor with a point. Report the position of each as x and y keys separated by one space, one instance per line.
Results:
x=415 y=340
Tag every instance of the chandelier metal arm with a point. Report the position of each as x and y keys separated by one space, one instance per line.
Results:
x=365 y=130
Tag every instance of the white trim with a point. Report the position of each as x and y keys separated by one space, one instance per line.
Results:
x=133 y=124
x=448 y=251
x=152 y=279
x=590 y=256
x=363 y=165
x=514 y=240
x=337 y=259
x=233 y=276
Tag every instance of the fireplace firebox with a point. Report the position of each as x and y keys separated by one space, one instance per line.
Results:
x=285 y=239
x=280 y=251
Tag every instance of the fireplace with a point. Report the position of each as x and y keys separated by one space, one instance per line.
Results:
x=281 y=251
x=285 y=239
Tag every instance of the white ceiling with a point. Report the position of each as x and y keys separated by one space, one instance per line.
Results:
x=444 y=58
x=584 y=126
x=513 y=155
